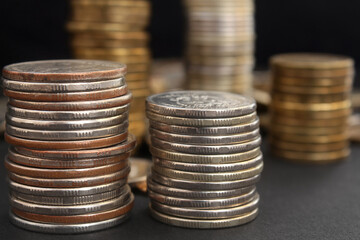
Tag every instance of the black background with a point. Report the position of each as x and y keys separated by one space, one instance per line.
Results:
x=32 y=30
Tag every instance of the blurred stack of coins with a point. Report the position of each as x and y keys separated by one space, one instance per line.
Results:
x=115 y=30
x=220 y=45
x=67 y=126
x=311 y=106
x=206 y=158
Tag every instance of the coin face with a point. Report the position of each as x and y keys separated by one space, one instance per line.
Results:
x=64 y=70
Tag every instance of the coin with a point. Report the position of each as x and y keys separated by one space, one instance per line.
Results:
x=110 y=3
x=316 y=82
x=313 y=157
x=64 y=71
x=310 y=73
x=206 y=224
x=344 y=136
x=313 y=90
x=309 y=131
x=103 y=27
x=311 y=147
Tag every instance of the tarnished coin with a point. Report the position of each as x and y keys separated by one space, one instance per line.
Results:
x=200 y=104
x=205 y=159
x=67 y=228
x=207 y=214
x=64 y=71
x=207 y=149
x=206 y=224
x=202 y=203
x=201 y=131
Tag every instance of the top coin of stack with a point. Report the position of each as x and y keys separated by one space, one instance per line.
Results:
x=67 y=124
x=311 y=106
x=206 y=158
x=220 y=45
x=115 y=30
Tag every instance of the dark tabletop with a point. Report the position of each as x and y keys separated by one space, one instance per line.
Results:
x=297 y=202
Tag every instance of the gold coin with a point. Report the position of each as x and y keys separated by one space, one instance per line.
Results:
x=138 y=68
x=313 y=82
x=311 y=73
x=312 y=90
x=114 y=51
x=104 y=27
x=139 y=116
x=116 y=35
x=278 y=128
x=123 y=3
x=318 y=107
x=293 y=121
x=128 y=60
x=136 y=76
x=219 y=61
x=284 y=97
x=295 y=138
x=309 y=157
x=100 y=43
x=140 y=93
x=135 y=85
x=309 y=147
x=312 y=115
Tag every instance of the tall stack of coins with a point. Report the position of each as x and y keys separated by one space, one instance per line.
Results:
x=67 y=126
x=220 y=45
x=206 y=158
x=115 y=30
x=311 y=106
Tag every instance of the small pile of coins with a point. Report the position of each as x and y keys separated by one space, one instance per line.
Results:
x=206 y=158
x=311 y=106
x=220 y=45
x=115 y=31
x=67 y=126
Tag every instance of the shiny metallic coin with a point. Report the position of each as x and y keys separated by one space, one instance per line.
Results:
x=200 y=131
x=220 y=70
x=202 y=122
x=200 y=104
x=205 y=140
x=70 y=182
x=117 y=149
x=205 y=159
x=67 y=145
x=62 y=87
x=70 y=210
x=67 y=228
x=204 y=186
x=65 y=163
x=73 y=106
x=42 y=173
x=207 y=214
x=77 y=219
x=202 y=203
x=67 y=115
x=207 y=150
x=50 y=71
x=198 y=194
x=67 y=135
x=66 y=192
x=220 y=61
x=209 y=177
x=67 y=125
x=208 y=168
x=205 y=224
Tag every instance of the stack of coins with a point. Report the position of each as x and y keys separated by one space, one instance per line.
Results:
x=67 y=126
x=206 y=158
x=311 y=106
x=220 y=45
x=115 y=30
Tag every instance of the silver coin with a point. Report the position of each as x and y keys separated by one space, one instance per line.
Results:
x=62 y=87
x=209 y=168
x=183 y=193
x=67 y=201
x=66 y=228
x=209 y=177
x=66 y=115
x=200 y=104
x=73 y=106
x=66 y=125
x=204 y=224
x=71 y=182
x=69 y=210
x=204 y=186
x=203 y=122
x=202 y=203
x=200 y=131
x=207 y=214
x=207 y=150
x=66 y=192
x=205 y=140
x=205 y=159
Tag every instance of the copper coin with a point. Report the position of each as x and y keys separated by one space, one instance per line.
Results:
x=64 y=71
x=126 y=146
x=63 y=173
x=68 y=145
x=67 y=97
x=75 y=219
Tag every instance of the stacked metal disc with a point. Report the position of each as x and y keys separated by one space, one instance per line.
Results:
x=311 y=106
x=115 y=30
x=67 y=126
x=220 y=45
x=206 y=158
